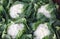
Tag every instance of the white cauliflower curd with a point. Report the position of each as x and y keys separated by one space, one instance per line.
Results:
x=15 y=10
x=44 y=11
x=41 y=31
x=13 y=29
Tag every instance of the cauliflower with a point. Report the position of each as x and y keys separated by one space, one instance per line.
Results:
x=44 y=11
x=15 y=10
x=13 y=29
x=41 y=31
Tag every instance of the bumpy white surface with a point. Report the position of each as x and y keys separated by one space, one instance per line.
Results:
x=15 y=10
x=14 y=29
x=41 y=31
x=43 y=10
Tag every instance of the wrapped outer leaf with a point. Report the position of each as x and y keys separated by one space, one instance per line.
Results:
x=56 y=28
